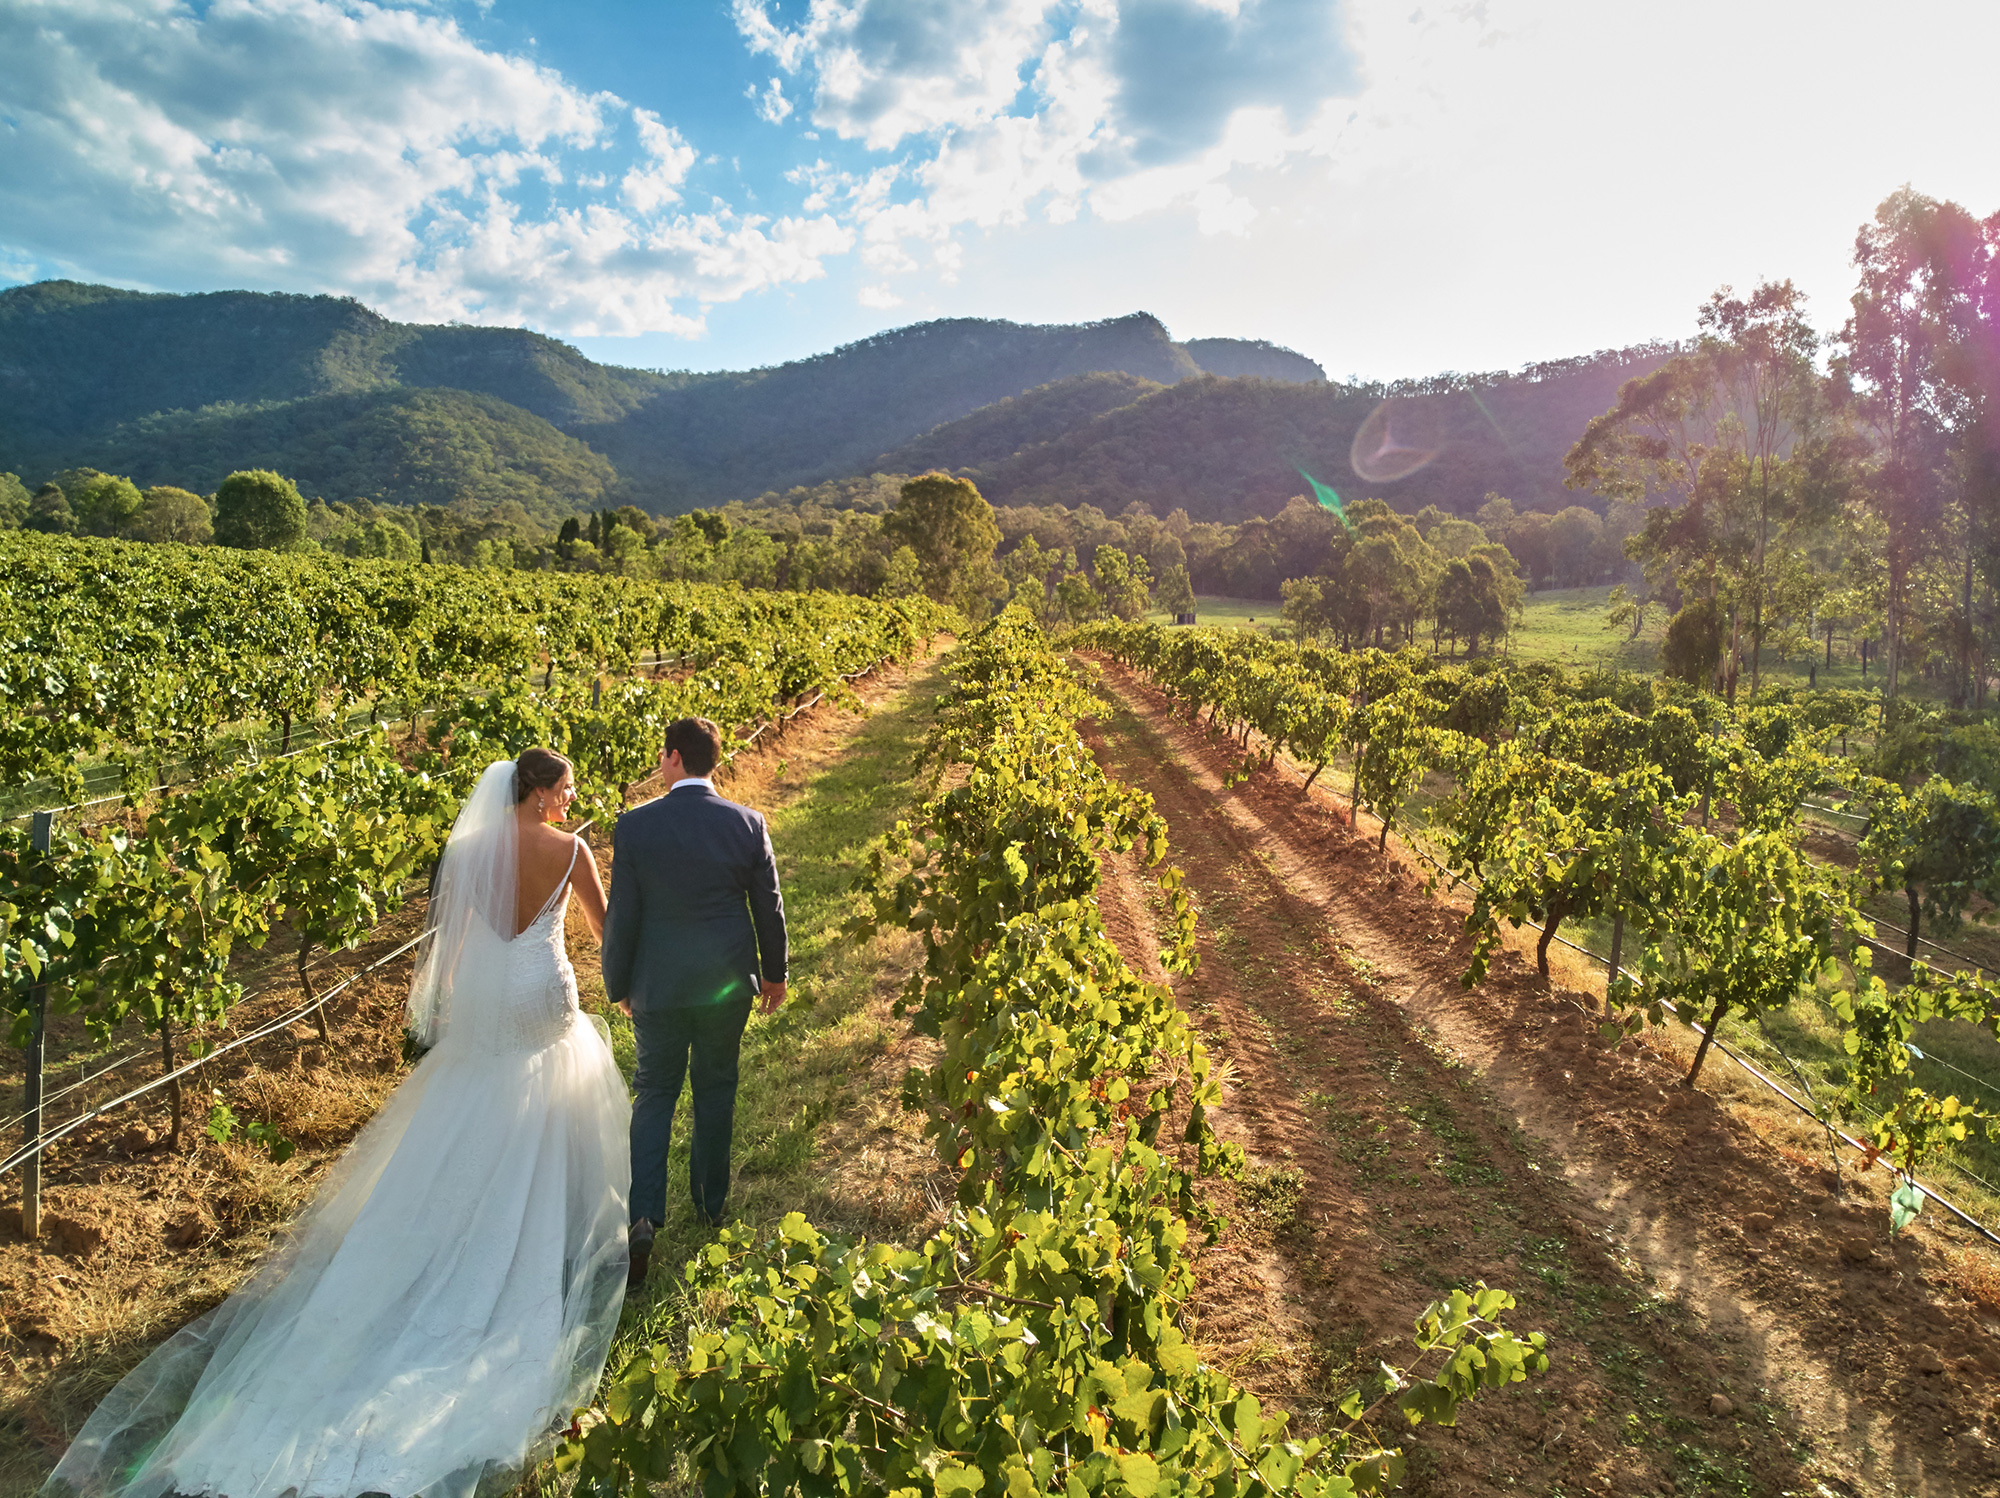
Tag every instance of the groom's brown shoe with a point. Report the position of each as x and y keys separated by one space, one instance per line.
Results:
x=639 y=1243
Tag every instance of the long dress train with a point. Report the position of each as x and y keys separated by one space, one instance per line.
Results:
x=446 y=1303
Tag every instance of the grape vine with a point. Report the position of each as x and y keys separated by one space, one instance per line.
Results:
x=1034 y=1343
x=1575 y=796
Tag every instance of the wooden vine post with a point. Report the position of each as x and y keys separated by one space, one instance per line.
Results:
x=40 y=835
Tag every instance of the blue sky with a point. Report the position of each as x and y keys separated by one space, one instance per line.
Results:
x=1390 y=186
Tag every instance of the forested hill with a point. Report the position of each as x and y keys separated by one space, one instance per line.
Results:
x=183 y=389
x=996 y=432
x=179 y=389
x=78 y=360
x=1226 y=450
x=733 y=435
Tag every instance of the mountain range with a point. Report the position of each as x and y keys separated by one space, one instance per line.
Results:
x=183 y=389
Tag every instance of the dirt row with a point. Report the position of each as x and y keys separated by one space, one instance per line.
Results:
x=1719 y=1319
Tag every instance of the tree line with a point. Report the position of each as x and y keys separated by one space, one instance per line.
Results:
x=1762 y=487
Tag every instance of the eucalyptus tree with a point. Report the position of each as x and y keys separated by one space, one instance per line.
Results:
x=1907 y=352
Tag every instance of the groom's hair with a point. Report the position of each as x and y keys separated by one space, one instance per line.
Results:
x=699 y=742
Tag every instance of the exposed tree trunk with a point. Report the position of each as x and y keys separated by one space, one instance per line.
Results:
x=1735 y=666
x=1916 y=911
x=1555 y=919
x=1971 y=637
x=1701 y=1051
x=1307 y=789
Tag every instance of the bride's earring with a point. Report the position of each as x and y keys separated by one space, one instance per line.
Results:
x=542 y=805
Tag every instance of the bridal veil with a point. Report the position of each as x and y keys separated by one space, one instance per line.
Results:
x=448 y=1301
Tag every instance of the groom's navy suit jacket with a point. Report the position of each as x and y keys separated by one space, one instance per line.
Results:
x=695 y=914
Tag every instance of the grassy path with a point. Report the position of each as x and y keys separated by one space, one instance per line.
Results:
x=818 y=1125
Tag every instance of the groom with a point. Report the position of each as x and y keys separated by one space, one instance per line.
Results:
x=695 y=933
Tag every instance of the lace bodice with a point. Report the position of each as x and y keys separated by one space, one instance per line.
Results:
x=532 y=1003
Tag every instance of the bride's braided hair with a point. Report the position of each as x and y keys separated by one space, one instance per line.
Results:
x=538 y=770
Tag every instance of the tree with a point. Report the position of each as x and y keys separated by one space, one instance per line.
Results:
x=258 y=510
x=49 y=512
x=1122 y=583
x=950 y=527
x=1528 y=539
x=1452 y=537
x=1762 y=348
x=1478 y=596
x=1913 y=304
x=104 y=504
x=170 y=514
x=1027 y=568
x=388 y=541
x=1384 y=576
x=1692 y=650
x=14 y=499
x=1573 y=536
x=1076 y=600
x=1175 y=593
x=1304 y=607
x=1940 y=844
x=1731 y=435
x=905 y=575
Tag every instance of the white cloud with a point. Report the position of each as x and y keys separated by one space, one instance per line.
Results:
x=314 y=145
x=879 y=298
x=1022 y=109
x=772 y=105
x=887 y=69
x=658 y=182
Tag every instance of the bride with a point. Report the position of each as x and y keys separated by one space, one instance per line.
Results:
x=450 y=1297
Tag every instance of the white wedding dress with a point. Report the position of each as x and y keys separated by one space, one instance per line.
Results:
x=448 y=1301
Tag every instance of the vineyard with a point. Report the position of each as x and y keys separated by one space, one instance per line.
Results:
x=1557 y=799
x=189 y=675
x=1204 y=1130
x=1034 y=1344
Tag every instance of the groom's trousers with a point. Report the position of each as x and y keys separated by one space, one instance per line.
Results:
x=698 y=1043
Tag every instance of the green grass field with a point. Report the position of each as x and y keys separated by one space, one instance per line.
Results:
x=1238 y=613
x=1566 y=626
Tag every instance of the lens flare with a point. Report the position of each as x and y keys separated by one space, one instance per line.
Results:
x=1400 y=436
x=1328 y=500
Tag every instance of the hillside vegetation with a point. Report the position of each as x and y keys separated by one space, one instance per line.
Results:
x=77 y=361
x=1227 y=450
x=1252 y=358
x=994 y=433
x=737 y=435
x=407 y=447
x=182 y=389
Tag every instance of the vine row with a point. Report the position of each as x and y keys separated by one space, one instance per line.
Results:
x=138 y=919
x=1033 y=1344
x=1561 y=798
